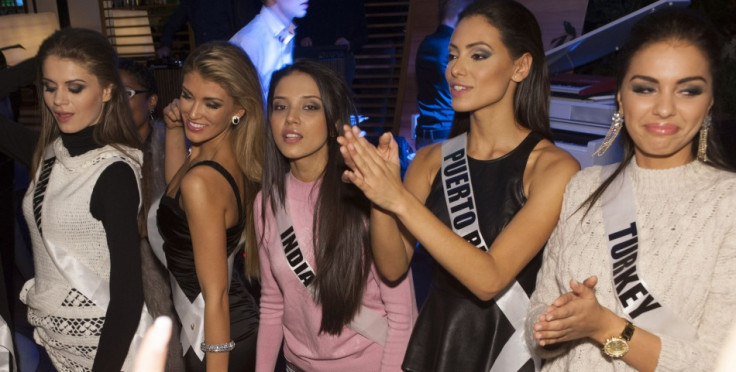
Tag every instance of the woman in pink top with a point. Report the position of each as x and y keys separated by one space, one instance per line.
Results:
x=321 y=292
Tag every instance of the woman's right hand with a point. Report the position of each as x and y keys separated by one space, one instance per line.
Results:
x=172 y=115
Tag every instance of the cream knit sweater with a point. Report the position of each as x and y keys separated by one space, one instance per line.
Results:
x=687 y=256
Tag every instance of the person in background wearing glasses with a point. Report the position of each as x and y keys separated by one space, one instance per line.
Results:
x=142 y=92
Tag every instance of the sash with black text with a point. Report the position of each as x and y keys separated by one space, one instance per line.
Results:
x=460 y=201
x=368 y=323
x=622 y=241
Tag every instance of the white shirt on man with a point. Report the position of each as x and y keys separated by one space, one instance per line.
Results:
x=268 y=42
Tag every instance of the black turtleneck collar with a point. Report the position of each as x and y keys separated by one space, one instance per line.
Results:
x=80 y=142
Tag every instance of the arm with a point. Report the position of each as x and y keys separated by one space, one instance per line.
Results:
x=392 y=245
x=206 y=199
x=176 y=150
x=115 y=200
x=270 y=329
x=717 y=315
x=401 y=313
x=17 y=141
x=577 y=314
x=483 y=273
x=15 y=77
x=547 y=290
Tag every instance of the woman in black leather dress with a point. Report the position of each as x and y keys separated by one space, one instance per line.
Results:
x=503 y=180
x=203 y=214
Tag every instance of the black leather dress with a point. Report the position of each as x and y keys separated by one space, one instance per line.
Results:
x=174 y=228
x=455 y=330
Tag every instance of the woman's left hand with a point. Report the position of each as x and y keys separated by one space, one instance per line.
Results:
x=375 y=171
x=576 y=315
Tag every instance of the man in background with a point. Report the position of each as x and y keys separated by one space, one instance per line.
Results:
x=434 y=101
x=269 y=38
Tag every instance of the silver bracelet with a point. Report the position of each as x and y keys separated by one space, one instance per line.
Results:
x=217 y=348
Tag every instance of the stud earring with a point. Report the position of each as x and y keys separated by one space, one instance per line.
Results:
x=703 y=140
x=235 y=120
x=617 y=122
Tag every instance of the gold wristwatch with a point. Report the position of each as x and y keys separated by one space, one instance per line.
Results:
x=617 y=347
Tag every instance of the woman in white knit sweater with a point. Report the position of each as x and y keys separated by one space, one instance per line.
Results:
x=640 y=272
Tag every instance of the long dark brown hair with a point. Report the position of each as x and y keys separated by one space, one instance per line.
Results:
x=228 y=66
x=520 y=34
x=677 y=25
x=340 y=225
x=92 y=51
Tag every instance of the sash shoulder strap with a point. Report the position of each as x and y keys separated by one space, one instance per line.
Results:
x=367 y=322
x=460 y=201
x=622 y=241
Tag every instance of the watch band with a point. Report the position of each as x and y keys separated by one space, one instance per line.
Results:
x=628 y=331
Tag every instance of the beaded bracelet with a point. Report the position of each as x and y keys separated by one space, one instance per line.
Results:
x=217 y=348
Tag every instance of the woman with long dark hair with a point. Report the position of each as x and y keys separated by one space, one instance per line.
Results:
x=321 y=292
x=83 y=209
x=639 y=273
x=482 y=203
x=204 y=213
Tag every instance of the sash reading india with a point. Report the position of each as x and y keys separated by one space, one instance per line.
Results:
x=368 y=323
x=622 y=238
x=460 y=202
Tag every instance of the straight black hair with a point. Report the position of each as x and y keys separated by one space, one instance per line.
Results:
x=340 y=227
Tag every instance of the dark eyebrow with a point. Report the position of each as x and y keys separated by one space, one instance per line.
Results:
x=310 y=97
x=681 y=81
x=477 y=43
x=73 y=81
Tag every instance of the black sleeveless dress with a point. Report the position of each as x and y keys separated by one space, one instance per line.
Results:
x=455 y=330
x=174 y=228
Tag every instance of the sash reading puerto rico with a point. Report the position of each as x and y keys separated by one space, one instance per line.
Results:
x=622 y=241
x=460 y=201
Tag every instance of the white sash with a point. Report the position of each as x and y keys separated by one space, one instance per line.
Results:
x=6 y=348
x=633 y=294
x=191 y=314
x=461 y=207
x=85 y=280
x=367 y=322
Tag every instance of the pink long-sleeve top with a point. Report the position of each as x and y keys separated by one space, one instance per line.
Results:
x=289 y=312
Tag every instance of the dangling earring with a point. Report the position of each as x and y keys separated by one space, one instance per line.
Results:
x=703 y=140
x=617 y=122
x=235 y=120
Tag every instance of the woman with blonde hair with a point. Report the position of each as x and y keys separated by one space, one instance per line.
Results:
x=206 y=208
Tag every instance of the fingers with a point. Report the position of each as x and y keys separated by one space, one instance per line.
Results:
x=172 y=115
x=581 y=290
x=152 y=352
x=591 y=281
x=563 y=300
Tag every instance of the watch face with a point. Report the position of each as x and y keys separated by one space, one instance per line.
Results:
x=616 y=347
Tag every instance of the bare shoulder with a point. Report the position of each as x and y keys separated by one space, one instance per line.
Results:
x=205 y=185
x=551 y=165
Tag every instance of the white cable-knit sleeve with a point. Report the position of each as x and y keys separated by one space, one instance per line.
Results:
x=547 y=289
x=718 y=314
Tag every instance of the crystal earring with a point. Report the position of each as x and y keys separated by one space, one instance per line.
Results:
x=235 y=120
x=703 y=140
x=617 y=122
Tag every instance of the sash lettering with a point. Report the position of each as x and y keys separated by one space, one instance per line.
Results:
x=367 y=322
x=460 y=202
x=295 y=258
x=622 y=238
